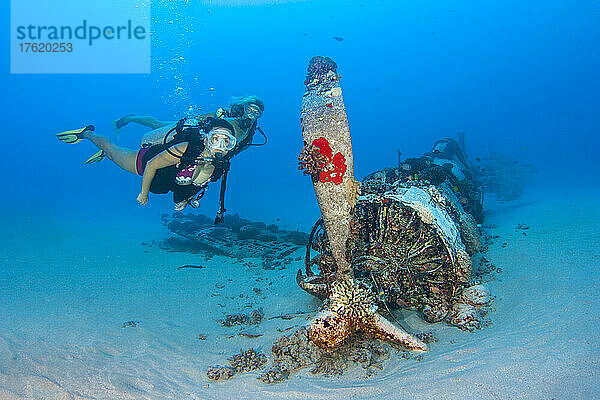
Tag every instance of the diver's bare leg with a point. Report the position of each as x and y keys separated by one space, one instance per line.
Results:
x=148 y=121
x=123 y=157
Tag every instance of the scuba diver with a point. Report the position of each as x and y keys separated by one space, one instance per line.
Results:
x=447 y=160
x=183 y=156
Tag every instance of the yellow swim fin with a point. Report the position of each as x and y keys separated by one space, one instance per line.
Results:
x=75 y=135
x=96 y=157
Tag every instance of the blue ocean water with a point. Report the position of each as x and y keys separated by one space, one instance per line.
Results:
x=521 y=78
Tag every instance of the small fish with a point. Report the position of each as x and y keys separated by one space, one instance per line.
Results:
x=339 y=38
x=286 y=329
x=130 y=324
x=191 y=266
x=289 y=315
x=250 y=335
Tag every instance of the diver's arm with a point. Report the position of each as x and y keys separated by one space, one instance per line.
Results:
x=161 y=160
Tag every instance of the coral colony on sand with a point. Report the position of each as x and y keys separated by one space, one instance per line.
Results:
x=395 y=241
x=246 y=361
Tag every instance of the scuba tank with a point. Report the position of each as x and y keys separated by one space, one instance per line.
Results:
x=167 y=133
x=156 y=136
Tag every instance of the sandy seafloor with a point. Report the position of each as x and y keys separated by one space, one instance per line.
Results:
x=69 y=282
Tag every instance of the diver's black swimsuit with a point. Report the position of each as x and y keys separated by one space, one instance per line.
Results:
x=164 y=179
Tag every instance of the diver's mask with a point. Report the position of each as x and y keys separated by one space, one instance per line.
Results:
x=221 y=140
x=252 y=111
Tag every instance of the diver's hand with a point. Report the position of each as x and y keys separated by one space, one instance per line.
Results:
x=180 y=206
x=142 y=198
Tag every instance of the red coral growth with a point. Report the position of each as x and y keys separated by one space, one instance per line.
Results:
x=335 y=168
x=324 y=147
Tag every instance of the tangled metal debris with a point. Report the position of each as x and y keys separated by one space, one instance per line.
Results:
x=236 y=237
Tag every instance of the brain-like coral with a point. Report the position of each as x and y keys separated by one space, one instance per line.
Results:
x=352 y=300
x=311 y=161
x=219 y=373
x=248 y=360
